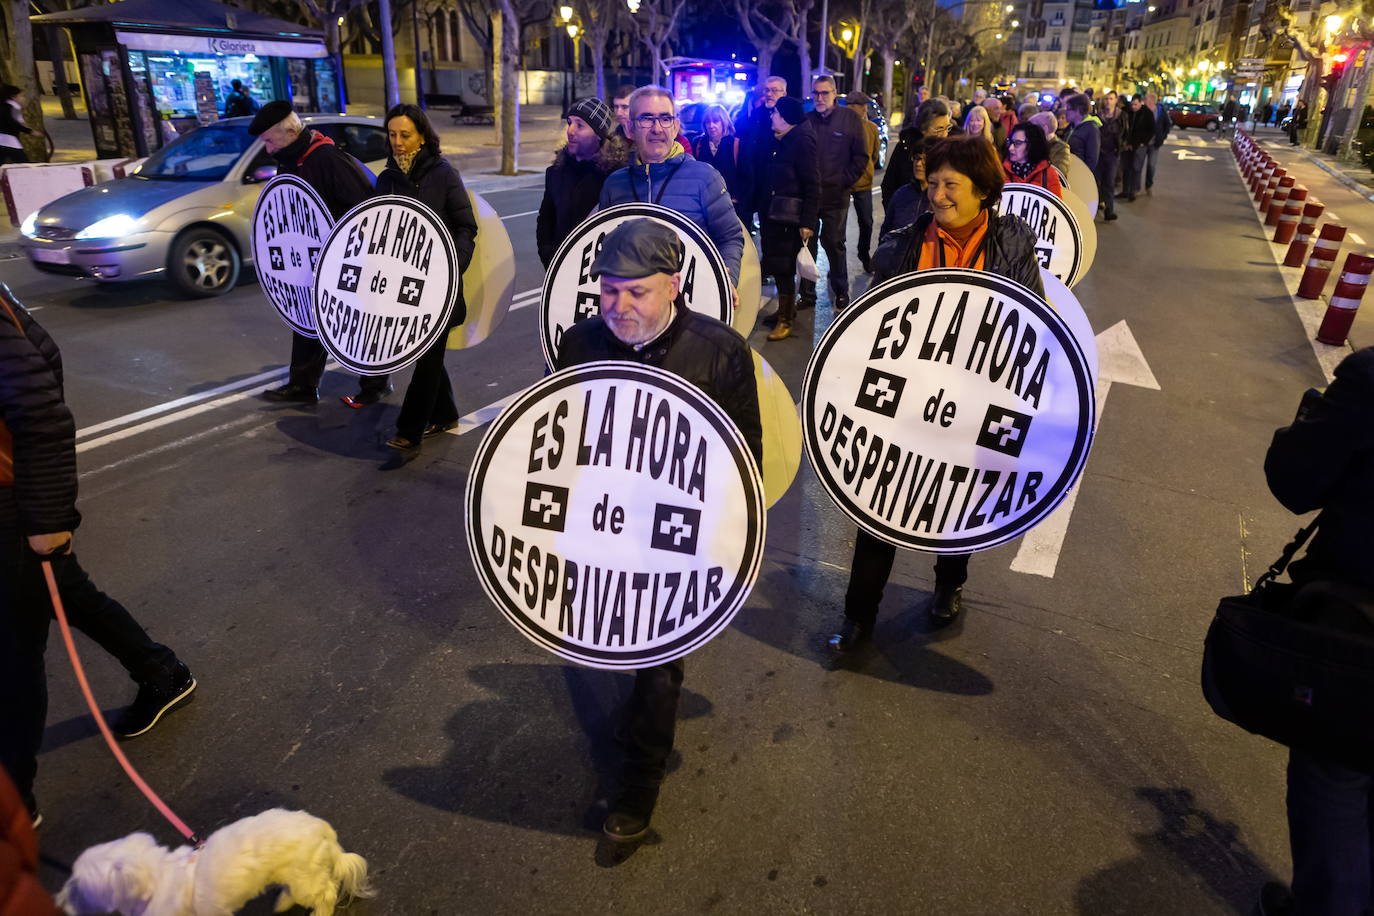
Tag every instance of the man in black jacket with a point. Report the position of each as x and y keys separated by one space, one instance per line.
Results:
x=1137 y=137
x=37 y=517
x=572 y=185
x=342 y=183
x=760 y=145
x=842 y=148
x=644 y=320
x=1325 y=460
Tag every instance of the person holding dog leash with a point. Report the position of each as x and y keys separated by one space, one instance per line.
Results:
x=37 y=517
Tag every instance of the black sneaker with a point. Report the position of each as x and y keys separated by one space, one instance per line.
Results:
x=852 y=636
x=629 y=817
x=947 y=605
x=155 y=698
x=297 y=394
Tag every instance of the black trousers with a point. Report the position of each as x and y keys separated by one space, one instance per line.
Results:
x=308 y=357
x=25 y=612
x=1106 y=182
x=863 y=211
x=871 y=568
x=1331 y=832
x=1130 y=172
x=834 y=220
x=429 y=397
x=651 y=723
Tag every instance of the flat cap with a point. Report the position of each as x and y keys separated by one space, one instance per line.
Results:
x=272 y=113
x=639 y=248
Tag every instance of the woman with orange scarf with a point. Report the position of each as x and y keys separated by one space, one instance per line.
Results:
x=1028 y=159
x=960 y=230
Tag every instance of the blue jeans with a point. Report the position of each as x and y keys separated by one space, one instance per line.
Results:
x=1330 y=824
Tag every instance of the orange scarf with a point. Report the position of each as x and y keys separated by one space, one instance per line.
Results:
x=940 y=248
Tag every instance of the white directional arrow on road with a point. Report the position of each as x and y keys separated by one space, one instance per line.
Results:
x=1119 y=360
x=1183 y=154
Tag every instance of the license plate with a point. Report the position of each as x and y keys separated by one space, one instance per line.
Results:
x=51 y=255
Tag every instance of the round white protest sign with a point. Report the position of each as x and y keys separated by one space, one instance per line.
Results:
x=386 y=284
x=1059 y=242
x=750 y=289
x=571 y=295
x=290 y=223
x=1083 y=182
x=1071 y=310
x=489 y=280
x=948 y=410
x=782 y=438
x=615 y=515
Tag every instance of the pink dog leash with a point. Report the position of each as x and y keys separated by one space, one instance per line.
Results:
x=143 y=787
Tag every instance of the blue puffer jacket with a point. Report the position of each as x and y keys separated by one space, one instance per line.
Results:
x=692 y=188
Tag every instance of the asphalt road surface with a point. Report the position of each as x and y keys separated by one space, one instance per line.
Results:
x=1050 y=754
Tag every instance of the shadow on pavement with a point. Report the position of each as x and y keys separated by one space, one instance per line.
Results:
x=344 y=432
x=1193 y=845
x=540 y=753
x=129 y=296
x=901 y=647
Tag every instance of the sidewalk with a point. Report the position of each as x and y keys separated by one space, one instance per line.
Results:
x=1353 y=175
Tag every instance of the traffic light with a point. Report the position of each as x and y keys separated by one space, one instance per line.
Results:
x=1333 y=77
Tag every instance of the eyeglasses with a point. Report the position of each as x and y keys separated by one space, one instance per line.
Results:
x=1016 y=143
x=648 y=121
x=942 y=129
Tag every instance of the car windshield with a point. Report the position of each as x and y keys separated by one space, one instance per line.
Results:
x=204 y=154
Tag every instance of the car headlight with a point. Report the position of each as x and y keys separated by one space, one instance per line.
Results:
x=29 y=228
x=109 y=227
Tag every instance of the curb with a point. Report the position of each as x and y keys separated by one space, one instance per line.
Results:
x=1358 y=187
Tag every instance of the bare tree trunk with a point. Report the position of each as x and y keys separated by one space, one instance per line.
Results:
x=765 y=62
x=389 y=78
x=887 y=82
x=505 y=35
x=599 y=68
x=57 y=48
x=419 y=62
x=860 y=57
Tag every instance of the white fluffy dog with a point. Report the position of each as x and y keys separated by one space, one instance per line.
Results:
x=136 y=877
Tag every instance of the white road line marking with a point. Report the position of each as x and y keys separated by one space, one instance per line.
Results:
x=235 y=423
x=180 y=402
x=483 y=415
x=1357 y=239
x=522 y=213
x=184 y=408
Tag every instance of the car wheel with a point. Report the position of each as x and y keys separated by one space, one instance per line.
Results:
x=203 y=263
x=1212 y=124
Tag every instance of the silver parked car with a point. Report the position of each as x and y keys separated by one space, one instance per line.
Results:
x=186 y=212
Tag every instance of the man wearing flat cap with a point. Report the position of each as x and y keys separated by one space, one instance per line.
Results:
x=342 y=183
x=643 y=320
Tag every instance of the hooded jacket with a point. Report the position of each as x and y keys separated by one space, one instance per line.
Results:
x=1010 y=251
x=1085 y=140
x=572 y=188
x=436 y=184
x=692 y=188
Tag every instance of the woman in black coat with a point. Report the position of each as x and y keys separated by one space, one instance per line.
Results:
x=417 y=169
x=931 y=122
x=792 y=212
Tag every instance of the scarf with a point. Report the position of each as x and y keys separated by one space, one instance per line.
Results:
x=406 y=160
x=1020 y=169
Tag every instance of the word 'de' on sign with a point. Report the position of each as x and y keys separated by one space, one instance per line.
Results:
x=948 y=410
x=1059 y=242
x=386 y=284
x=615 y=515
x=571 y=295
x=290 y=224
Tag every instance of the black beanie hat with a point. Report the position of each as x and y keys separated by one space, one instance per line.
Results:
x=790 y=109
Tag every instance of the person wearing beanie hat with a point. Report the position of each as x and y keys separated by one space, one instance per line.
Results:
x=789 y=214
x=342 y=183
x=638 y=267
x=572 y=184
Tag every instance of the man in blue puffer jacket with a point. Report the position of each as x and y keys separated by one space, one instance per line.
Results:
x=662 y=172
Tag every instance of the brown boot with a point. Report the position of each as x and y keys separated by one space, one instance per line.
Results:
x=787 y=312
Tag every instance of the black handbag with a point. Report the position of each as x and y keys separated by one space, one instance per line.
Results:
x=785 y=211
x=1294 y=679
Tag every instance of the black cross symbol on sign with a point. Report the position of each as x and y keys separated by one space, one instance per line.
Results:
x=546 y=506
x=275 y=256
x=1043 y=255
x=1004 y=430
x=348 y=278
x=314 y=257
x=675 y=528
x=880 y=392
x=411 y=287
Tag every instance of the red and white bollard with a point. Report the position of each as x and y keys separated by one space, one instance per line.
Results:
x=1275 y=207
x=1262 y=176
x=1297 y=252
x=1269 y=189
x=1350 y=287
x=1323 y=258
x=1287 y=223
